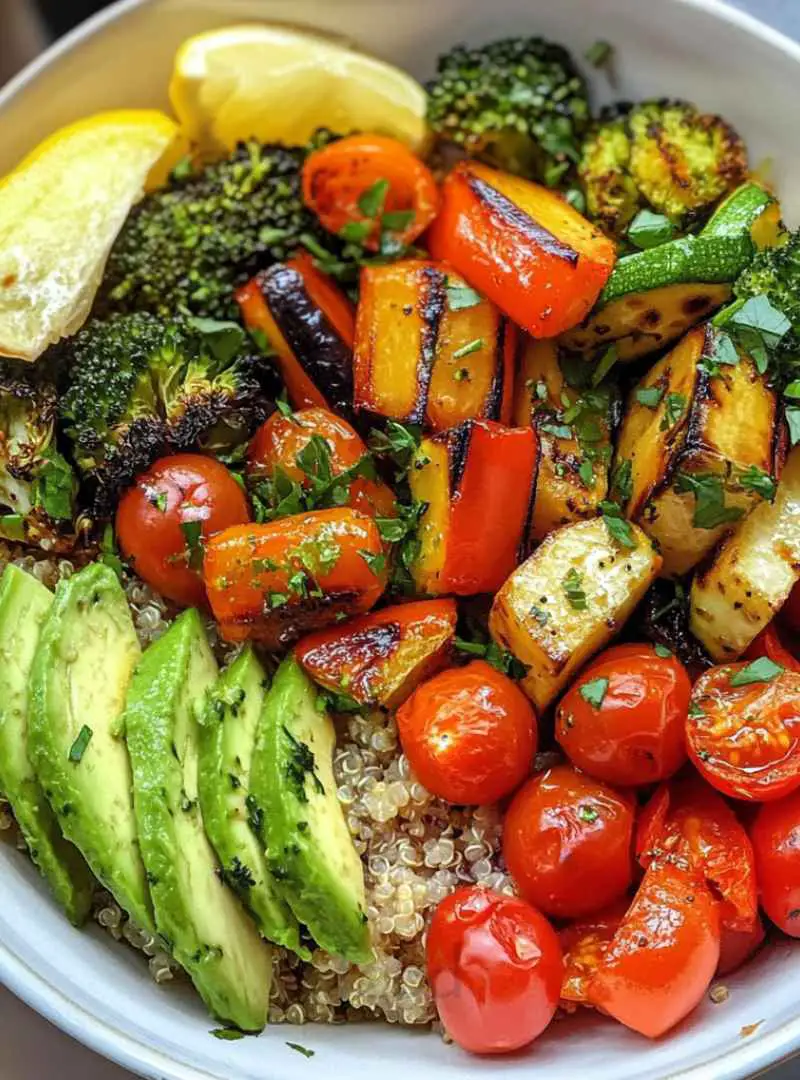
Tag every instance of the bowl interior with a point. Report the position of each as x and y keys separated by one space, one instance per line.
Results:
x=101 y=992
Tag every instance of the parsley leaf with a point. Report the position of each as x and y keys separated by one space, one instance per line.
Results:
x=491 y=652
x=619 y=528
x=622 y=481
x=224 y=339
x=757 y=326
x=576 y=199
x=398 y=442
x=793 y=423
x=193 y=538
x=604 y=365
x=372 y=201
x=301 y=1049
x=572 y=585
x=228 y=1034
x=376 y=561
x=663 y=652
x=649 y=230
x=761 y=670
x=558 y=431
x=460 y=297
x=78 y=748
x=55 y=487
x=709 y=494
x=755 y=479
x=599 y=54
x=586 y=473
x=109 y=553
x=673 y=411
x=588 y=814
x=471 y=346
x=594 y=692
x=650 y=396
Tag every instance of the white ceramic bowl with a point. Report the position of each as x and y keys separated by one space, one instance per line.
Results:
x=101 y=993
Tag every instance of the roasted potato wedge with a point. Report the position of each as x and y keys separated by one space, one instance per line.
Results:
x=568 y=600
x=380 y=658
x=541 y=397
x=693 y=447
x=429 y=349
x=752 y=574
x=477 y=483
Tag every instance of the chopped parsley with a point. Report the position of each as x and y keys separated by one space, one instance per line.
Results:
x=109 y=552
x=78 y=748
x=471 y=347
x=193 y=539
x=708 y=489
x=588 y=814
x=229 y=1034
x=756 y=326
x=376 y=561
x=762 y=670
x=572 y=585
x=673 y=410
x=460 y=297
x=649 y=230
x=301 y=1049
x=398 y=442
x=622 y=481
x=650 y=396
x=695 y=712
x=301 y=764
x=619 y=528
x=491 y=652
x=604 y=365
x=594 y=692
x=755 y=479
x=541 y=616
x=663 y=652
x=586 y=473
x=372 y=201
x=599 y=54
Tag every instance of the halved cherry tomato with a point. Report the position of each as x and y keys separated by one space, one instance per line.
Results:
x=583 y=944
x=770 y=643
x=744 y=739
x=567 y=842
x=737 y=946
x=161 y=522
x=469 y=733
x=363 y=186
x=776 y=839
x=623 y=719
x=282 y=441
x=790 y=612
x=688 y=819
x=495 y=969
x=664 y=955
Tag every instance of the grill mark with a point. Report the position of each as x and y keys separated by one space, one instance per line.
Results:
x=494 y=399
x=458 y=445
x=431 y=308
x=515 y=218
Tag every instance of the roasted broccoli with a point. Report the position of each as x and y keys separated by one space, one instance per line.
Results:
x=37 y=485
x=186 y=247
x=662 y=155
x=775 y=273
x=140 y=387
x=518 y=103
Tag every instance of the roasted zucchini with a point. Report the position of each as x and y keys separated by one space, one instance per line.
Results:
x=476 y=483
x=752 y=573
x=695 y=449
x=568 y=600
x=573 y=457
x=428 y=349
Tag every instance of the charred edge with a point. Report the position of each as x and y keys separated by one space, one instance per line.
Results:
x=515 y=218
x=317 y=347
x=431 y=307
x=278 y=627
x=688 y=437
x=494 y=399
x=359 y=653
x=458 y=445
x=780 y=438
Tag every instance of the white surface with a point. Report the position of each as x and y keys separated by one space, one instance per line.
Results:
x=665 y=47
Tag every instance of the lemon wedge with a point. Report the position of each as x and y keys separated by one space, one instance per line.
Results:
x=60 y=211
x=277 y=84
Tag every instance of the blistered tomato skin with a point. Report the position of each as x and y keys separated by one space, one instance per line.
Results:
x=567 y=842
x=776 y=840
x=584 y=944
x=635 y=735
x=469 y=733
x=495 y=969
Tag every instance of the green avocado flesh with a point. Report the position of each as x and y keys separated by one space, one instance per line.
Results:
x=210 y=933
x=81 y=670
x=24 y=606
x=227 y=738
x=310 y=850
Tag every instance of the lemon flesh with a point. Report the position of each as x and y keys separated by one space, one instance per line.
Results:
x=276 y=84
x=60 y=211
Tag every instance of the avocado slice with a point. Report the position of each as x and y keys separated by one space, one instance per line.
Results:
x=24 y=605
x=310 y=850
x=227 y=739
x=83 y=664
x=208 y=930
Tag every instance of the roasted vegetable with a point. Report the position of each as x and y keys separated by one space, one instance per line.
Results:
x=697 y=450
x=379 y=659
x=660 y=154
x=655 y=296
x=275 y=582
x=37 y=485
x=519 y=104
x=429 y=349
x=752 y=574
x=522 y=246
x=187 y=246
x=775 y=273
x=569 y=599
x=572 y=420
x=310 y=325
x=314 y=459
x=476 y=483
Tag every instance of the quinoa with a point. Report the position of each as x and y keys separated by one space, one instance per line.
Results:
x=415 y=850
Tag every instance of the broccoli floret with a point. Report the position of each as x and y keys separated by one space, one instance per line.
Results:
x=140 y=387
x=662 y=155
x=519 y=104
x=186 y=247
x=775 y=273
x=37 y=485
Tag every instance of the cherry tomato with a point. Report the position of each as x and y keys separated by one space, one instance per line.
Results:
x=770 y=643
x=689 y=819
x=495 y=969
x=469 y=733
x=282 y=442
x=567 y=842
x=790 y=612
x=744 y=739
x=664 y=955
x=161 y=521
x=583 y=944
x=365 y=186
x=776 y=840
x=623 y=720
x=737 y=946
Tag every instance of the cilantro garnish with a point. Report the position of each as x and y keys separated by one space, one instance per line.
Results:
x=710 y=510
x=594 y=692
x=572 y=585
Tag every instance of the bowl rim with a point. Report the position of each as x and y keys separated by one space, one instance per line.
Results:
x=747 y=1059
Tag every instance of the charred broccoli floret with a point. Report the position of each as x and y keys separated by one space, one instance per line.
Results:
x=37 y=485
x=186 y=247
x=662 y=155
x=775 y=273
x=519 y=104
x=140 y=387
